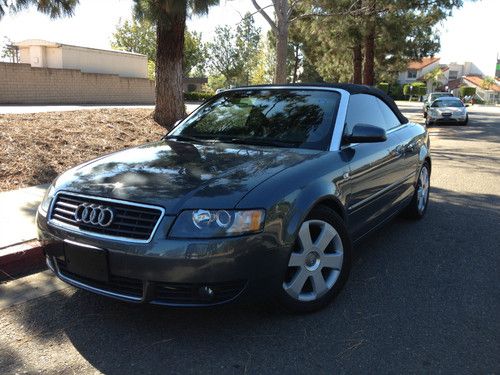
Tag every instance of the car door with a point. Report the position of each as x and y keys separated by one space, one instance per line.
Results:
x=375 y=168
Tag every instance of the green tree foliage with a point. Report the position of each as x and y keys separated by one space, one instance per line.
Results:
x=195 y=54
x=247 y=43
x=224 y=56
x=467 y=91
x=263 y=70
x=9 y=51
x=53 y=8
x=233 y=52
x=136 y=36
x=383 y=34
x=139 y=36
x=487 y=83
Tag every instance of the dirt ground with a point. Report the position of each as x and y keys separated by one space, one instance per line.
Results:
x=35 y=148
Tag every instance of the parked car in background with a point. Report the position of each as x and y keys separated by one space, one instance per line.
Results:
x=261 y=191
x=431 y=97
x=447 y=110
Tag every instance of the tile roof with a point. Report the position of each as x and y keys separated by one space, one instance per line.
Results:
x=478 y=81
x=420 y=64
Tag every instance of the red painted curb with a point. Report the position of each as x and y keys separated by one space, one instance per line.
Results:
x=21 y=259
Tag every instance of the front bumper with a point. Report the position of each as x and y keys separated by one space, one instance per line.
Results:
x=188 y=273
x=446 y=119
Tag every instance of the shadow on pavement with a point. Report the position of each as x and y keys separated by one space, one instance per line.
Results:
x=422 y=297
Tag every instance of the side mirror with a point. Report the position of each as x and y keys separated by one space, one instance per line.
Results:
x=364 y=133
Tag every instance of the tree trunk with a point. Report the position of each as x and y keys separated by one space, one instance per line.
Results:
x=281 y=54
x=296 y=51
x=169 y=73
x=281 y=12
x=357 y=60
x=369 y=68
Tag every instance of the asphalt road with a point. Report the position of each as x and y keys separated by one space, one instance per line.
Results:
x=423 y=297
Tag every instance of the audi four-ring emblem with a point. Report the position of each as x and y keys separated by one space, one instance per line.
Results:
x=95 y=214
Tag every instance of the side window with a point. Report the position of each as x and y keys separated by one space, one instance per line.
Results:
x=363 y=109
x=390 y=118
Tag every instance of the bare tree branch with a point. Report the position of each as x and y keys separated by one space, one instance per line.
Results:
x=265 y=15
x=258 y=11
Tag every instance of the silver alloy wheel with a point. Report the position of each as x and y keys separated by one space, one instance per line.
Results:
x=315 y=265
x=423 y=189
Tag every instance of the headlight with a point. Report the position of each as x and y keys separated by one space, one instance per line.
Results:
x=47 y=200
x=217 y=223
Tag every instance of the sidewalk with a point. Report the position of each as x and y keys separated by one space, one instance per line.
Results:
x=17 y=217
x=20 y=253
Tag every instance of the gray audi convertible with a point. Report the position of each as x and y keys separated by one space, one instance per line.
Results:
x=260 y=193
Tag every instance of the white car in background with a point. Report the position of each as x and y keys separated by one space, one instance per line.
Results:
x=447 y=110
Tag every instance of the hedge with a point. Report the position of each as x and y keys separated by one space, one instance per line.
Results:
x=467 y=91
x=197 y=96
x=384 y=86
x=419 y=89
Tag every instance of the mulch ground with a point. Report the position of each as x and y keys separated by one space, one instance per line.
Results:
x=35 y=148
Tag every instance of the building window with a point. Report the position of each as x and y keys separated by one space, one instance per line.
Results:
x=453 y=74
x=412 y=73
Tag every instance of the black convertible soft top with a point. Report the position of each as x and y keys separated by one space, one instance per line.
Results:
x=350 y=88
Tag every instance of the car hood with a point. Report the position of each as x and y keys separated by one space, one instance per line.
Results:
x=179 y=175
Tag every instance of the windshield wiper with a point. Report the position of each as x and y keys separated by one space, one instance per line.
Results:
x=184 y=138
x=260 y=142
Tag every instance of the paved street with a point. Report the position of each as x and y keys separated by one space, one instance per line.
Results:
x=423 y=297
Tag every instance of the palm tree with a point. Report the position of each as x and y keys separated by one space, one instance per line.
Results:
x=170 y=18
x=487 y=83
x=434 y=77
x=54 y=8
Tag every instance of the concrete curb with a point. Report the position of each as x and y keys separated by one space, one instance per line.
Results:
x=21 y=259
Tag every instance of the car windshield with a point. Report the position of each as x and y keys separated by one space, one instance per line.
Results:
x=447 y=103
x=272 y=117
x=439 y=95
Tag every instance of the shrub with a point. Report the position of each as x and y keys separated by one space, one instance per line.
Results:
x=467 y=91
x=197 y=96
x=384 y=86
x=417 y=89
x=396 y=91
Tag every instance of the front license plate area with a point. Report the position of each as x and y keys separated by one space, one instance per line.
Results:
x=85 y=261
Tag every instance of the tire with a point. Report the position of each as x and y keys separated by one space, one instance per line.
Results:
x=319 y=262
x=464 y=123
x=417 y=208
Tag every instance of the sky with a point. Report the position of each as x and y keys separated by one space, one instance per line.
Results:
x=472 y=33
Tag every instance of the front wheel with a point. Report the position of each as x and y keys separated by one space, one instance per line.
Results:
x=463 y=123
x=319 y=263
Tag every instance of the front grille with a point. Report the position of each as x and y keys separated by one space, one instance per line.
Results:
x=116 y=284
x=131 y=221
x=186 y=294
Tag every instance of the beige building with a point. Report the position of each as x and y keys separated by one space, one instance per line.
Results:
x=43 y=54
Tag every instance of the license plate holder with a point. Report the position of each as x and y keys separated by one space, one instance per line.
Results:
x=86 y=261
